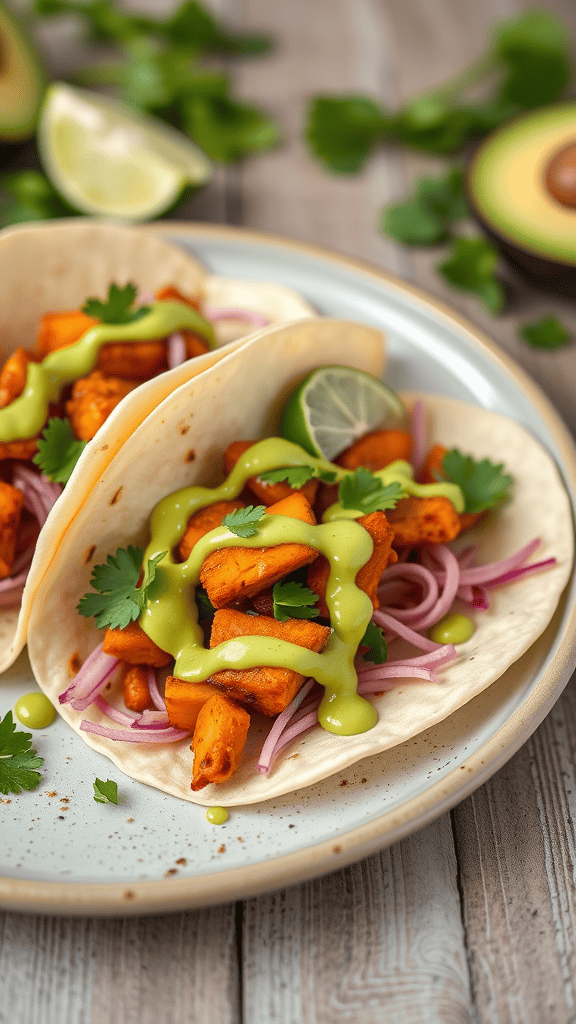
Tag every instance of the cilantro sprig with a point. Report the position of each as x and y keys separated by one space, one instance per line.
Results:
x=483 y=483
x=297 y=476
x=119 y=600
x=18 y=761
x=292 y=600
x=243 y=521
x=374 y=640
x=366 y=493
x=118 y=307
x=548 y=333
x=105 y=792
x=58 y=450
x=426 y=217
x=471 y=266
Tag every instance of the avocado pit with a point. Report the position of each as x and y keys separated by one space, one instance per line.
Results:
x=560 y=175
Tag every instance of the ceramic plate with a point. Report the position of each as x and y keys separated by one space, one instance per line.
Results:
x=63 y=853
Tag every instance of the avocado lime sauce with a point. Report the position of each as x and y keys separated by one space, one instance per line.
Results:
x=452 y=629
x=401 y=472
x=217 y=815
x=171 y=618
x=27 y=414
x=35 y=711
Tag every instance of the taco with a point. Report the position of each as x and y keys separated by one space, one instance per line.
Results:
x=214 y=684
x=90 y=312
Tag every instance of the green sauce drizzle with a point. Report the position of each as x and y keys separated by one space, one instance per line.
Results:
x=27 y=414
x=171 y=616
x=217 y=815
x=35 y=711
x=452 y=629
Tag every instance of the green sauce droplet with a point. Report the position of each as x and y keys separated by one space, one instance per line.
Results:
x=217 y=815
x=35 y=711
x=452 y=629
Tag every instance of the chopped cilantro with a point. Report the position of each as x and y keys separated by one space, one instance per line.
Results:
x=58 y=450
x=342 y=131
x=119 y=600
x=374 y=639
x=426 y=217
x=17 y=759
x=205 y=607
x=105 y=792
x=547 y=333
x=243 y=521
x=366 y=493
x=118 y=306
x=472 y=268
x=293 y=600
x=295 y=476
x=483 y=483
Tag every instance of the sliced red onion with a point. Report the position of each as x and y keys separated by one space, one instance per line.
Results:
x=134 y=735
x=432 y=659
x=391 y=679
x=422 y=643
x=483 y=574
x=418 y=436
x=151 y=720
x=397 y=671
x=176 y=350
x=411 y=570
x=524 y=570
x=90 y=680
x=155 y=695
x=265 y=759
x=117 y=716
x=230 y=313
x=449 y=563
x=39 y=492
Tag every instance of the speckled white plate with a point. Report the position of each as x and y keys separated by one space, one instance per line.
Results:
x=63 y=853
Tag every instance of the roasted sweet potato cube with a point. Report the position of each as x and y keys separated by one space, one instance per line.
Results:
x=133 y=645
x=265 y=689
x=418 y=521
x=13 y=376
x=133 y=360
x=195 y=344
x=184 y=700
x=11 y=505
x=93 y=399
x=233 y=573
x=135 y=689
x=377 y=450
x=368 y=577
x=22 y=450
x=431 y=466
x=267 y=494
x=169 y=292
x=203 y=521
x=58 y=330
x=218 y=742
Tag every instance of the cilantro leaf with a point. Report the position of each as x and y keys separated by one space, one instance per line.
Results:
x=472 y=267
x=228 y=130
x=547 y=333
x=118 y=306
x=58 y=450
x=374 y=639
x=28 y=195
x=366 y=493
x=293 y=600
x=426 y=217
x=342 y=131
x=243 y=521
x=483 y=483
x=119 y=600
x=105 y=792
x=535 y=51
x=17 y=761
x=205 y=607
x=295 y=476
x=193 y=26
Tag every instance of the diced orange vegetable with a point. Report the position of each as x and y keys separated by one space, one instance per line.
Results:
x=22 y=450
x=135 y=689
x=267 y=494
x=368 y=577
x=232 y=573
x=377 y=450
x=433 y=465
x=13 y=376
x=169 y=292
x=196 y=345
x=93 y=399
x=265 y=689
x=133 y=360
x=184 y=700
x=11 y=504
x=203 y=521
x=58 y=330
x=218 y=742
x=418 y=521
x=134 y=646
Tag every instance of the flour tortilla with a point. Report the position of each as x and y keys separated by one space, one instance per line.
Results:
x=241 y=397
x=50 y=267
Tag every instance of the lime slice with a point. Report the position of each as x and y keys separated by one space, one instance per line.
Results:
x=106 y=159
x=335 y=405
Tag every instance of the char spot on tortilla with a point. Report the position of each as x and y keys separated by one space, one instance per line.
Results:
x=128 y=895
x=89 y=554
x=74 y=664
x=336 y=849
x=104 y=448
x=115 y=497
x=184 y=430
x=190 y=456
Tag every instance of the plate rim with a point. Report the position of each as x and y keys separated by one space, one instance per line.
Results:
x=176 y=894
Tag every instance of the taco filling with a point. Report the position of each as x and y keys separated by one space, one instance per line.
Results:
x=278 y=592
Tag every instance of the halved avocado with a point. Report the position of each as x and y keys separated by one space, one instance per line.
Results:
x=522 y=188
x=22 y=81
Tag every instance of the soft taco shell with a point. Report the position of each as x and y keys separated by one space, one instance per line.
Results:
x=49 y=267
x=259 y=377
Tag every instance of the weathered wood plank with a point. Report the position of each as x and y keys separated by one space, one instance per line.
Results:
x=377 y=943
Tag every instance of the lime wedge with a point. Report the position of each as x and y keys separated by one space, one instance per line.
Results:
x=106 y=159
x=335 y=405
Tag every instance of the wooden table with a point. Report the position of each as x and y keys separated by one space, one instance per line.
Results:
x=473 y=918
